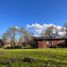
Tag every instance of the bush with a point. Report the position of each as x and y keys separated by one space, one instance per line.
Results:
x=18 y=47
x=7 y=46
x=27 y=46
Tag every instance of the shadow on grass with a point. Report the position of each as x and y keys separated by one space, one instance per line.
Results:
x=29 y=62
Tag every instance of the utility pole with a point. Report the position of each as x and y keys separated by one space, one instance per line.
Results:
x=65 y=26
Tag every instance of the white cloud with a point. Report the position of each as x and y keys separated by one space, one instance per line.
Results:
x=37 y=27
x=62 y=33
x=16 y=27
x=40 y=28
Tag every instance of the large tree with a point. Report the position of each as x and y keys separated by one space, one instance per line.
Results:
x=25 y=36
x=48 y=32
x=16 y=36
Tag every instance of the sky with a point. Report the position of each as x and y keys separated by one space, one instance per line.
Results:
x=27 y=12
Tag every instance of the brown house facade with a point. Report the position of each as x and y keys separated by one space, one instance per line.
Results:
x=47 y=43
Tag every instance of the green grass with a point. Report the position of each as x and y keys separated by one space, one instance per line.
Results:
x=47 y=57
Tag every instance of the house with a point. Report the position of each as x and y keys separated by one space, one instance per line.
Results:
x=43 y=42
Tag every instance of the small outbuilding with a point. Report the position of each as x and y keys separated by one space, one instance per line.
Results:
x=43 y=42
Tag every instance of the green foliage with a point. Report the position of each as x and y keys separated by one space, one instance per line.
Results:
x=27 y=46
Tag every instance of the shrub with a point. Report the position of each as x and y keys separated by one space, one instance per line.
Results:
x=7 y=46
x=27 y=46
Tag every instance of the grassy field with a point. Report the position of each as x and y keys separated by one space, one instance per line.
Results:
x=48 y=57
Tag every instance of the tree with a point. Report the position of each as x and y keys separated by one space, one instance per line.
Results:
x=10 y=35
x=25 y=36
x=48 y=32
x=16 y=36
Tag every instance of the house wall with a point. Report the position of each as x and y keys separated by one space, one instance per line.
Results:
x=49 y=43
x=42 y=44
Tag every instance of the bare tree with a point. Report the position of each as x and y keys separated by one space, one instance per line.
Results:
x=48 y=32
x=25 y=36
x=11 y=34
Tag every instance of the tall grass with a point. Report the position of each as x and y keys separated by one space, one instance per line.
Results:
x=43 y=57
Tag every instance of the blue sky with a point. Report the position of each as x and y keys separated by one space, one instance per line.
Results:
x=23 y=12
